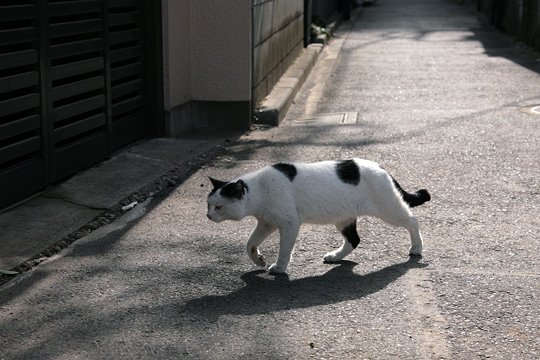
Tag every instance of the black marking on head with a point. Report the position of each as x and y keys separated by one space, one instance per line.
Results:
x=287 y=169
x=348 y=172
x=234 y=190
x=351 y=234
x=218 y=184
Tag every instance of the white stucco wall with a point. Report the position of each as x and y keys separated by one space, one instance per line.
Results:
x=221 y=38
x=207 y=51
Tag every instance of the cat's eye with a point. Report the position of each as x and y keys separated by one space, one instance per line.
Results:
x=217 y=207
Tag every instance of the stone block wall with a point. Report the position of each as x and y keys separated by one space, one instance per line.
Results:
x=278 y=38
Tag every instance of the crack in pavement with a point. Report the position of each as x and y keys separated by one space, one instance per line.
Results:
x=434 y=344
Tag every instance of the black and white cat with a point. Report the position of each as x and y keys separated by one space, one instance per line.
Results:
x=285 y=195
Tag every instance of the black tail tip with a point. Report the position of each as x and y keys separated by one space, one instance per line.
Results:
x=423 y=195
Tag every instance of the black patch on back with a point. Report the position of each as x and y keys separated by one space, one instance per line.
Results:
x=351 y=234
x=234 y=190
x=348 y=172
x=287 y=169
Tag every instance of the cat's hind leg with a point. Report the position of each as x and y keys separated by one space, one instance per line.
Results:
x=261 y=232
x=404 y=218
x=351 y=241
x=394 y=210
x=416 y=238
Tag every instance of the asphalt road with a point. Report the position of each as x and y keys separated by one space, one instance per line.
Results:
x=437 y=99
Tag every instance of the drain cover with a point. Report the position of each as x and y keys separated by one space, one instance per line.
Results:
x=328 y=119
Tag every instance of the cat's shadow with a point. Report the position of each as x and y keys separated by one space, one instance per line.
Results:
x=263 y=295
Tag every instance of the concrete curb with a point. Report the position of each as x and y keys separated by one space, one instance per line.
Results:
x=275 y=106
x=98 y=196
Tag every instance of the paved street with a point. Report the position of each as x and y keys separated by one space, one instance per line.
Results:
x=421 y=87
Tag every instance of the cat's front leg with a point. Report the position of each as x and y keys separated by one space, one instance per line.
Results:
x=287 y=239
x=261 y=232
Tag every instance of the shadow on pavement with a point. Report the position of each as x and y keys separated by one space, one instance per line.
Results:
x=264 y=296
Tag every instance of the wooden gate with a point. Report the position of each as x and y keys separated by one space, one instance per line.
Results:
x=72 y=87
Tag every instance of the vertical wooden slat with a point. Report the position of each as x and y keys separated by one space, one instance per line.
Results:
x=78 y=93
x=127 y=103
x=45 y=76
x=107 y=60
x=21 y=124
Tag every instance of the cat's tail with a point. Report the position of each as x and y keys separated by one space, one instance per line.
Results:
x=413 y=199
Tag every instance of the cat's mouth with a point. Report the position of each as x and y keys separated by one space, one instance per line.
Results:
x=213 y=218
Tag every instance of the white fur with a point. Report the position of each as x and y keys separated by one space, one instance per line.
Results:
x=318 y=196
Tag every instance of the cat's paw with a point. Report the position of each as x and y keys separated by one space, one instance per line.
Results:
x=332 y=257
x=415 y=251
x=260 y=261
x=275 y=269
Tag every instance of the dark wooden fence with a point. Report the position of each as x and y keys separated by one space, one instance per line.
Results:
x=72 y=87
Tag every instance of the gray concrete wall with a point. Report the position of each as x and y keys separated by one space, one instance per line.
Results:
x=206 y=64
x=278 y=38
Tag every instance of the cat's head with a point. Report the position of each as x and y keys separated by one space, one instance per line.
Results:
x=227 y=200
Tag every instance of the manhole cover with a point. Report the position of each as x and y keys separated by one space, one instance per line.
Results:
x=328 y=119
x=533 y=110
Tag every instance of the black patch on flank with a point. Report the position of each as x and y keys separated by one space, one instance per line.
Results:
x=234 y=190
x=348 y=172
x=351 y=234
x=287 y=169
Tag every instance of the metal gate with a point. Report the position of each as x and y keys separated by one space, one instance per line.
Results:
x=71 y=88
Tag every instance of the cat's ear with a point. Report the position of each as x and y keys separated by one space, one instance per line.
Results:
x=234 y=190
x=241 y=186
x=217 y=183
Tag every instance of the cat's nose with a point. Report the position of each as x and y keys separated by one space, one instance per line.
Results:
x=209 y=216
